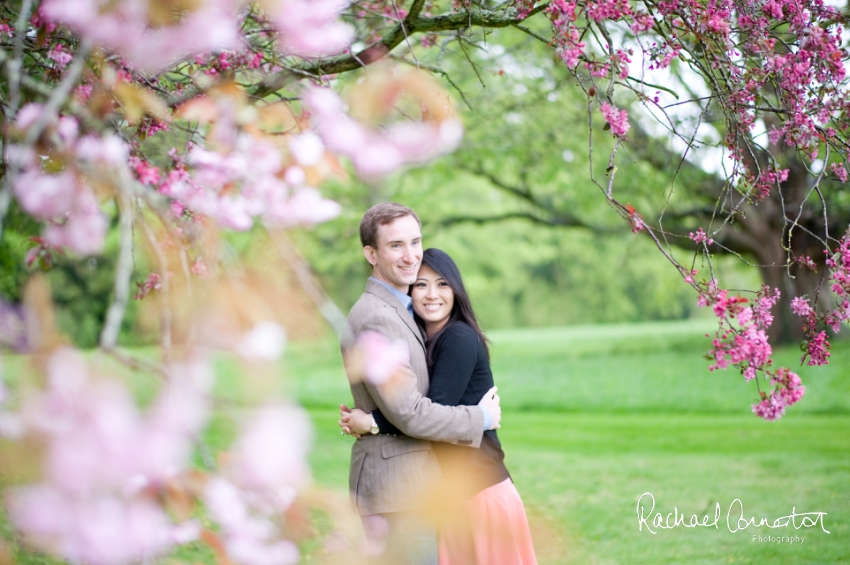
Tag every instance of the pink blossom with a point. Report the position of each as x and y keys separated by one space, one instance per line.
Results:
x=818 y=349
x=770 y=408
x=109 y=149
x=151 y=284
x=700 y=237
x=28 y=115
x=46 y=196
x=265 y=341
x=146 y=173
x=60 y=56
x=102 y=530
x=376 y=153
x=839 y=171
x=199 y=268
x=307 y=148
x=123 y=26
x=311 y=28
x=801 y=307
x=96 y=445
x=383 y=358
x=271 y=452
x=305 y=207
x=82 y=93
x=84 y=229
x=617 y=119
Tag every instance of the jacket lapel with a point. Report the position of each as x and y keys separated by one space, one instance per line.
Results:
x=381 y=292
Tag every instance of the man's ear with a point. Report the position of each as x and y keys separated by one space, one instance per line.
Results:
x=371 y=255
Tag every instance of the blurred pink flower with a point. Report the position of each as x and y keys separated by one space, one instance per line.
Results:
x=100 y=452
x=266 y=341
x=28 y=114
x=383 y=357
x=109 y=149
x=98 y=530
x=374 y=152
x=304 y=207
x=46 y=196
x=123 y=26
x=311 y=28
x=307 y=148
x=271 y=452
x=84 y=230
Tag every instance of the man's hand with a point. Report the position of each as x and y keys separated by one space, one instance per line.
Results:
x=491 y=402
x=354 y=421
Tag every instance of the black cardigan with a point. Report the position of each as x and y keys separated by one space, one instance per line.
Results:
x=460 y=376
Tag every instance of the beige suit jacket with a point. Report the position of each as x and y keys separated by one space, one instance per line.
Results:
x=396 y=473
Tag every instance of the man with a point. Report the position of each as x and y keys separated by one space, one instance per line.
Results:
x=390 y=476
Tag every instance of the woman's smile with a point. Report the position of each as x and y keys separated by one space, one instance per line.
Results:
x=433 y=299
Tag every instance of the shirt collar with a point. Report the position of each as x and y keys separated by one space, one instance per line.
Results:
x=405 y=300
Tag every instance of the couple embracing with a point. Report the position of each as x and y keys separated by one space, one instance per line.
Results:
x=427 y=473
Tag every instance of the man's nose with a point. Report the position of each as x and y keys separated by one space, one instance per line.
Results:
x=409 y=256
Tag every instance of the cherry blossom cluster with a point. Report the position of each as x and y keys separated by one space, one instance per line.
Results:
x=104 y=463
x=251 y=181
x=56 y=189
x=787 y=391
x=739 y=41
x=741 y=341
x=617 y=120
x=267 y=467
x=151 y=38
x=700 y=237
x=816 y=346
x=147 y=36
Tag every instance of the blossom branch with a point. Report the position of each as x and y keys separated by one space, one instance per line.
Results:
x=124 y=270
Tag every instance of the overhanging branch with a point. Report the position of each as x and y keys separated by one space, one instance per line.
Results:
x=413 y=23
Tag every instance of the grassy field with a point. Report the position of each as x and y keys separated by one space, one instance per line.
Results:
x=594 y=417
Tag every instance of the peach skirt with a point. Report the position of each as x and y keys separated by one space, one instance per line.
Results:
x=495 y=532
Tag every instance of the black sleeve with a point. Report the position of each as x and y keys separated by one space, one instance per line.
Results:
x=384 y=425
x=454 y=362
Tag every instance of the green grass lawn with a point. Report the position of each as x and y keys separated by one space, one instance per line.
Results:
x=596 y=416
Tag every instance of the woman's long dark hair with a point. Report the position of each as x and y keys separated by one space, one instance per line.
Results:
x=440 y=262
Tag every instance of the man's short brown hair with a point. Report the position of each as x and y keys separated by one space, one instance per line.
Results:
x=381 y=215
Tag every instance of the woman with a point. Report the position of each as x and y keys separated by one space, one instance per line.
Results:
x=495 y=530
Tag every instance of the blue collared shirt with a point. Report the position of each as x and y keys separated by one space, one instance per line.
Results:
x=407 y=302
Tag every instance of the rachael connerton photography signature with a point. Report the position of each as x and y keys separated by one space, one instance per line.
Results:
x=735 y=518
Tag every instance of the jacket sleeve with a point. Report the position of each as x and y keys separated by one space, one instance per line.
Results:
x=415 y=415
x=454 y=363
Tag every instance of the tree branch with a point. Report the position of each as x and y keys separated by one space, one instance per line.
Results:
x=124 y=270
x=381 y=48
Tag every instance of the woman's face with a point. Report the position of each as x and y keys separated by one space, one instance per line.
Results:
x=433 y=299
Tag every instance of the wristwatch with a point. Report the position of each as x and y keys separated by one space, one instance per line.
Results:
x=374 y=429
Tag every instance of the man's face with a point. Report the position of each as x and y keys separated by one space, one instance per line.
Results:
x=399 y=253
